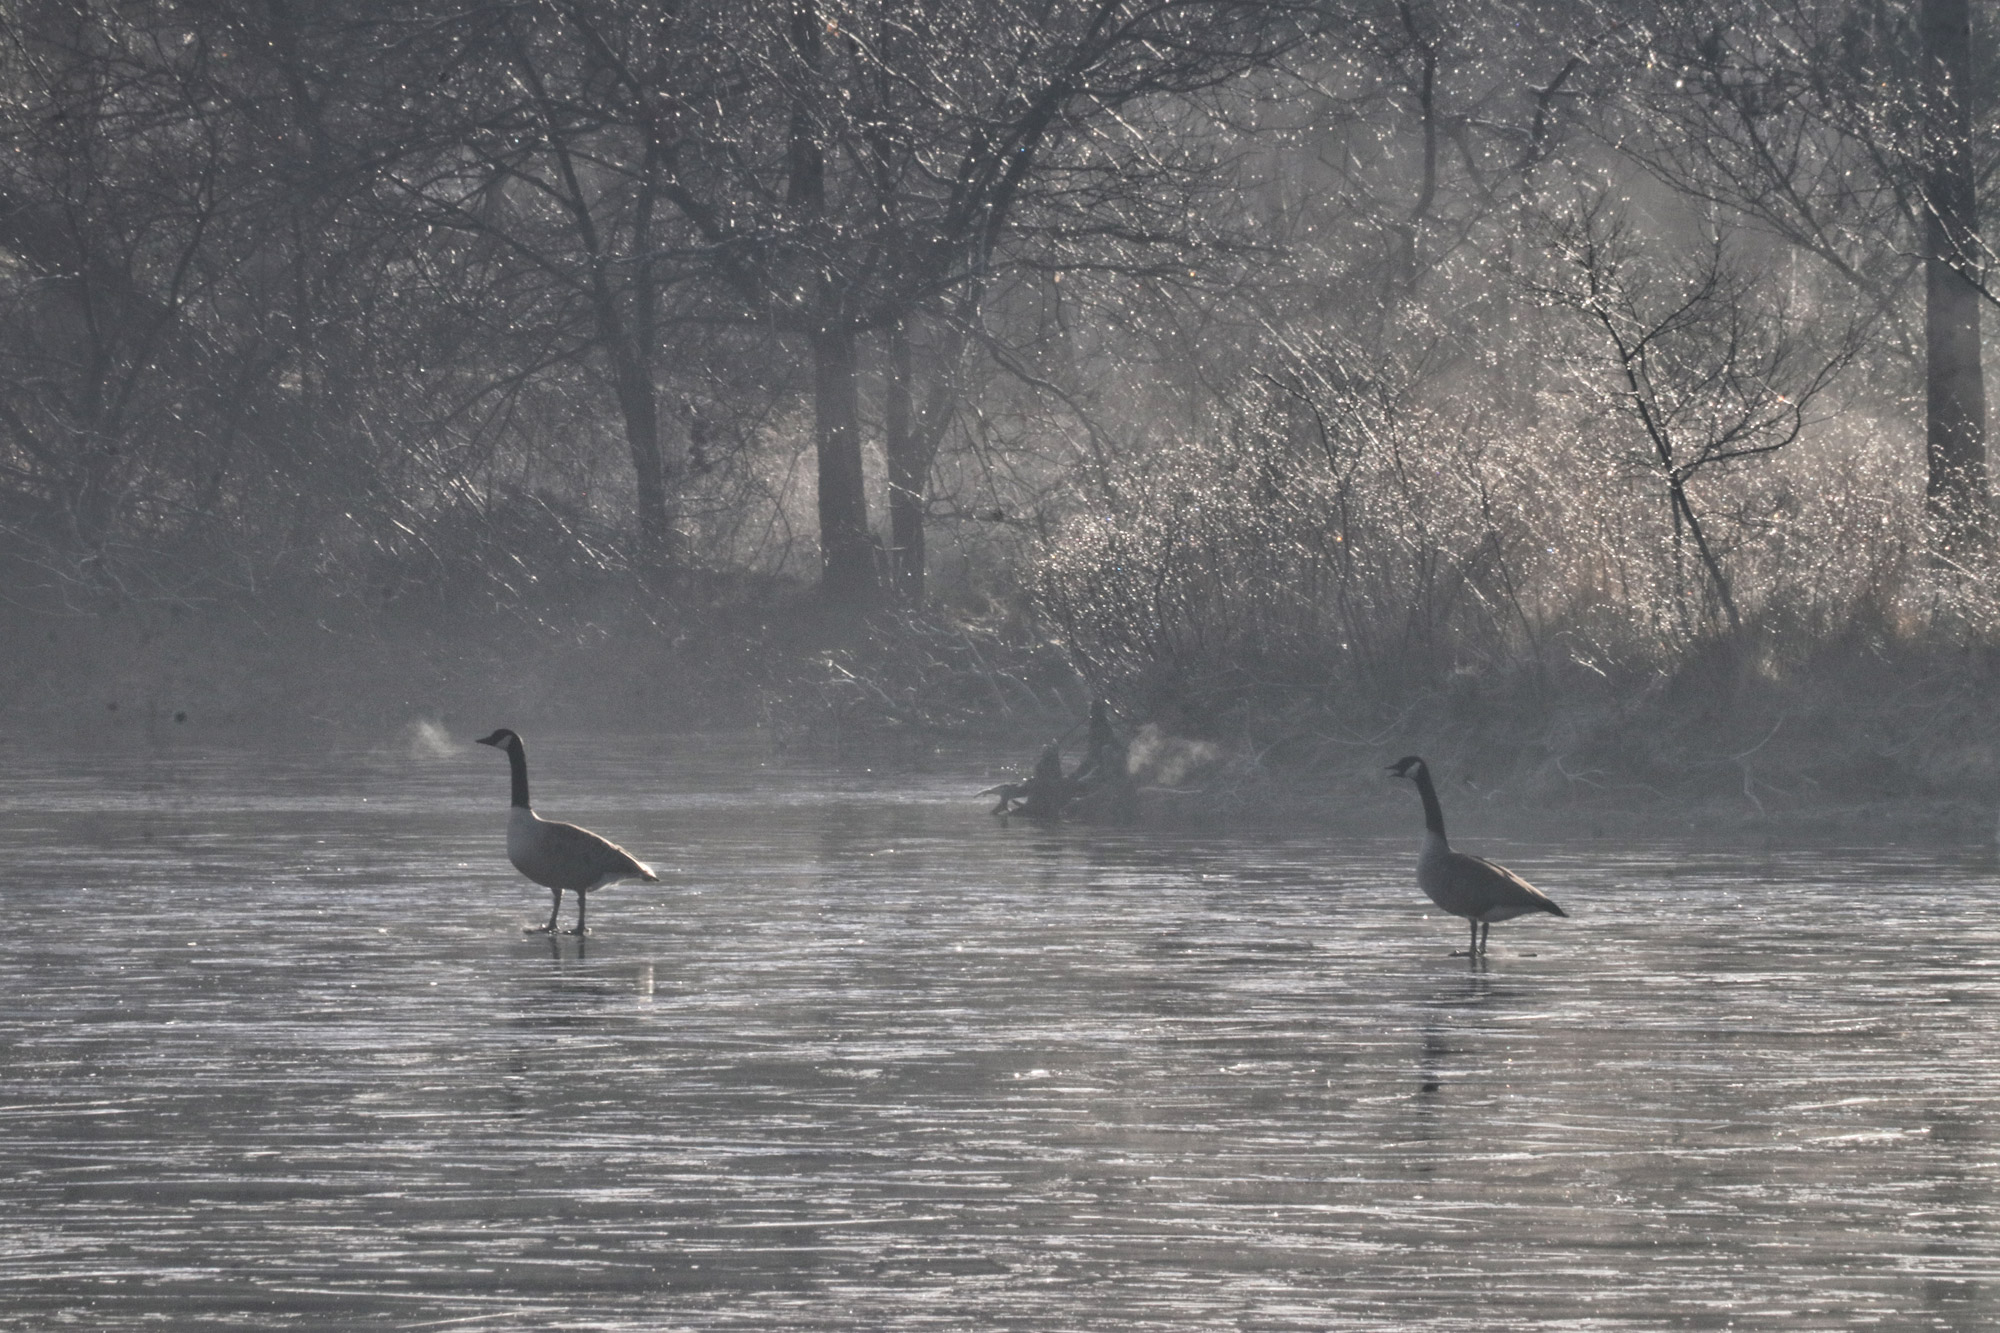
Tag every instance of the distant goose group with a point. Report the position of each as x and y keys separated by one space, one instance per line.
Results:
x=559 y=856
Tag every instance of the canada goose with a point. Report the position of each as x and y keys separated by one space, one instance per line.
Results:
x=1042 y=796
x=1104 y=755
x=559 y=856
x=1466 y=886
x=1102 y=785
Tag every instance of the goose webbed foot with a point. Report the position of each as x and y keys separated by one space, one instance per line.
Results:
x=577 y=930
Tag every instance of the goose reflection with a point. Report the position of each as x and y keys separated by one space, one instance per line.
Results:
x=1448 y=1048
x=572 y=991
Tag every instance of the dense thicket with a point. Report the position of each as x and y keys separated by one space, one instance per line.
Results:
x=1239 y=348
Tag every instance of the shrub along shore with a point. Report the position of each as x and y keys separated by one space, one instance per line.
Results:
x=1875 y=737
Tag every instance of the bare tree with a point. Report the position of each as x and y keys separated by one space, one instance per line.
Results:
x=559 y=156
x=1955 y=258
x=115 y=179
x=1706 y=371
x=853 y=165
x=1847 y=128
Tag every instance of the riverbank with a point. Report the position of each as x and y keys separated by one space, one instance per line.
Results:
x=1882 y=742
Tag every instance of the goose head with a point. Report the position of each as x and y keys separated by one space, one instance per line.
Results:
x=1407 y=767
x=498 y=740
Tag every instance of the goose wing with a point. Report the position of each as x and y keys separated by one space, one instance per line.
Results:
x=565 y=856
x=1496 y=889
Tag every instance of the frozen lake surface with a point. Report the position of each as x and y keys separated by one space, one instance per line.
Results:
x=276 y=1052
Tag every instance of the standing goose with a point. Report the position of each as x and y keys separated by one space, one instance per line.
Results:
x=1467 y=886
x=559 y=856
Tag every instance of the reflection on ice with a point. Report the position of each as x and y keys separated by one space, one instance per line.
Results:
x=864 y=1060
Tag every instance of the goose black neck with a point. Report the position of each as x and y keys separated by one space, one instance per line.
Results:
x=1433 y=812
x=517 y=759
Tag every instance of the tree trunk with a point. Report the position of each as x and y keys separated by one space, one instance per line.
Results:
x=628 y=341
x=909 y=469
x=1717 y=579
x=1955 y=491
x=847 y=554
x=638 y=403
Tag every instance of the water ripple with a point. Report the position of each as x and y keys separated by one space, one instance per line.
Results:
x=868 y=1060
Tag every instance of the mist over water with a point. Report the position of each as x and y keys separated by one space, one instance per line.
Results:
x=428 y=740
x=277 y=1050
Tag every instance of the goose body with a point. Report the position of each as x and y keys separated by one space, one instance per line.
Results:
x=555 y=855
x=1042 y=796
x=1467 y=886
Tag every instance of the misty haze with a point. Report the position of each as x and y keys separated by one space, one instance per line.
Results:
x=1257 y=664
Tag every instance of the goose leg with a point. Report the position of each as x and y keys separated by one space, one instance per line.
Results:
x=555 y=906
x=1485 y=929
x=582 y=902
x=1472 y=949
